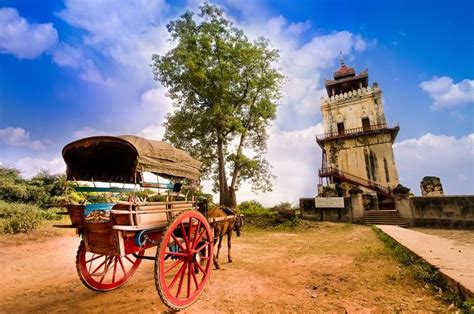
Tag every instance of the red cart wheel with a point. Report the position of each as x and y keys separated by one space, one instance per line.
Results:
x=105 y=272
x=183 y=260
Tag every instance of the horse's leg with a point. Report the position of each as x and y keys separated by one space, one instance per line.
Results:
x=219 y=246
x=229 y=237
x=216 y=257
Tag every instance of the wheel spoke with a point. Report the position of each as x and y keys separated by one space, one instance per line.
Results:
x=185 y=236
x=176 y=254
x=202 y=247
x=194 y=277
x=106 y=269
x=195 y=233
x=180 y=285
x=174 y=265
x=190 y=225
x=200 y=268
x=95 y=270
x=176 y=276
x=129 y=259
x=94 y=258
x=121 y=265
x=189 y=279
x=91 y=260
x=178 y=243
x=115 y=269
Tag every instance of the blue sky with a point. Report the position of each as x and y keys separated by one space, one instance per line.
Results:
x=76 y=68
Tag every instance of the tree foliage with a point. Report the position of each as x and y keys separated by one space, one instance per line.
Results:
x=43 y=189
x=225 y=90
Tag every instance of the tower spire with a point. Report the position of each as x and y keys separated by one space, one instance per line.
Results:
x=341 y=58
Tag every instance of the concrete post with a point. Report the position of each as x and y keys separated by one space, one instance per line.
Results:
x=357 y=205
x=402 y=203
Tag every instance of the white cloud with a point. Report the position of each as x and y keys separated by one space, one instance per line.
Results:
x=19 y=137
x=129 y=32
x=446 y=157
x=155 y=100
x=29 y=167
x=91 y=73
x=86 y=131
x=447 y=94
x=295 y=158
x=22 y=39
x=153 y=132
x=67 y=56
x=304 y=64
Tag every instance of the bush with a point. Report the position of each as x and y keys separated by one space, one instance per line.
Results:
x=283 y=206
x=19 y=218
x=51 y=213
x=43 y=189
x=254 y=208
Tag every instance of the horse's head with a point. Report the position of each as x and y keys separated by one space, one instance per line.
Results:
x=239 y=223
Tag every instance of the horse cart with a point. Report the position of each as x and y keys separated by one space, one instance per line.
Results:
x=116 y=232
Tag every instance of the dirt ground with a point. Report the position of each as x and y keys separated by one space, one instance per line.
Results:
x=320 y=267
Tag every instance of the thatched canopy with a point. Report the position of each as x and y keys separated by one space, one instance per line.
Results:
x=120 y=158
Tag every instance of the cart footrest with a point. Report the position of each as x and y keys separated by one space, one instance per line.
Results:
x=64 y=226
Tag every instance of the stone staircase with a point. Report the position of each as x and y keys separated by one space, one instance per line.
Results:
x=384 y=217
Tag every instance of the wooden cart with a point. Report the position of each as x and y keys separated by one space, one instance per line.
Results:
x=116 y=235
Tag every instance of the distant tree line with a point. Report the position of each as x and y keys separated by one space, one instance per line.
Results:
x=42 y=190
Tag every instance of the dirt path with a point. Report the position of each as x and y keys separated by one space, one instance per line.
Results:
x=325 y=267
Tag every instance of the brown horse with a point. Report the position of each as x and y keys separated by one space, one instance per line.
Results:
x=224 y=227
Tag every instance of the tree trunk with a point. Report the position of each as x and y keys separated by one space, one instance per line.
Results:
x=236 y=173
x=232 y=198
x=224 y=193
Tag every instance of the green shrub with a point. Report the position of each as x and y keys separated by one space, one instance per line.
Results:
x=19 y=218
x=51 y=213
x=254 y=208
x=43 y=189
x=282 y=206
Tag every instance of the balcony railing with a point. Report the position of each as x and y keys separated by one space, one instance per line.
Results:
x=347 y=132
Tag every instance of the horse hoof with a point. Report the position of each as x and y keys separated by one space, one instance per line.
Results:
x=230 y=260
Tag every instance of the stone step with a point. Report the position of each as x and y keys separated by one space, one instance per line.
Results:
x=384 y=217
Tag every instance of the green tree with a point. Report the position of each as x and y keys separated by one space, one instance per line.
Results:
x=225 y=90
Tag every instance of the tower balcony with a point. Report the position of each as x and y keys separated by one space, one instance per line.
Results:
x=355 y=132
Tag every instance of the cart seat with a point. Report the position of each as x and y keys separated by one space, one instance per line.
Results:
x=98 y=212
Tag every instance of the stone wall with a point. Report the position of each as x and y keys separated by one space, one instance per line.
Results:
x=309 y=211
x=444 y=211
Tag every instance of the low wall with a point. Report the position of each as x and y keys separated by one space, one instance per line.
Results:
x=443 y=211
x=309 y=211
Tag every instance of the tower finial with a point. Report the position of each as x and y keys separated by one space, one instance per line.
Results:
x=341 y=57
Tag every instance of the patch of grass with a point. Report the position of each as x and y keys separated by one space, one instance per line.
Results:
x=51 y=213
x=371 y=253
x=268 y=220
x=421 y=271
